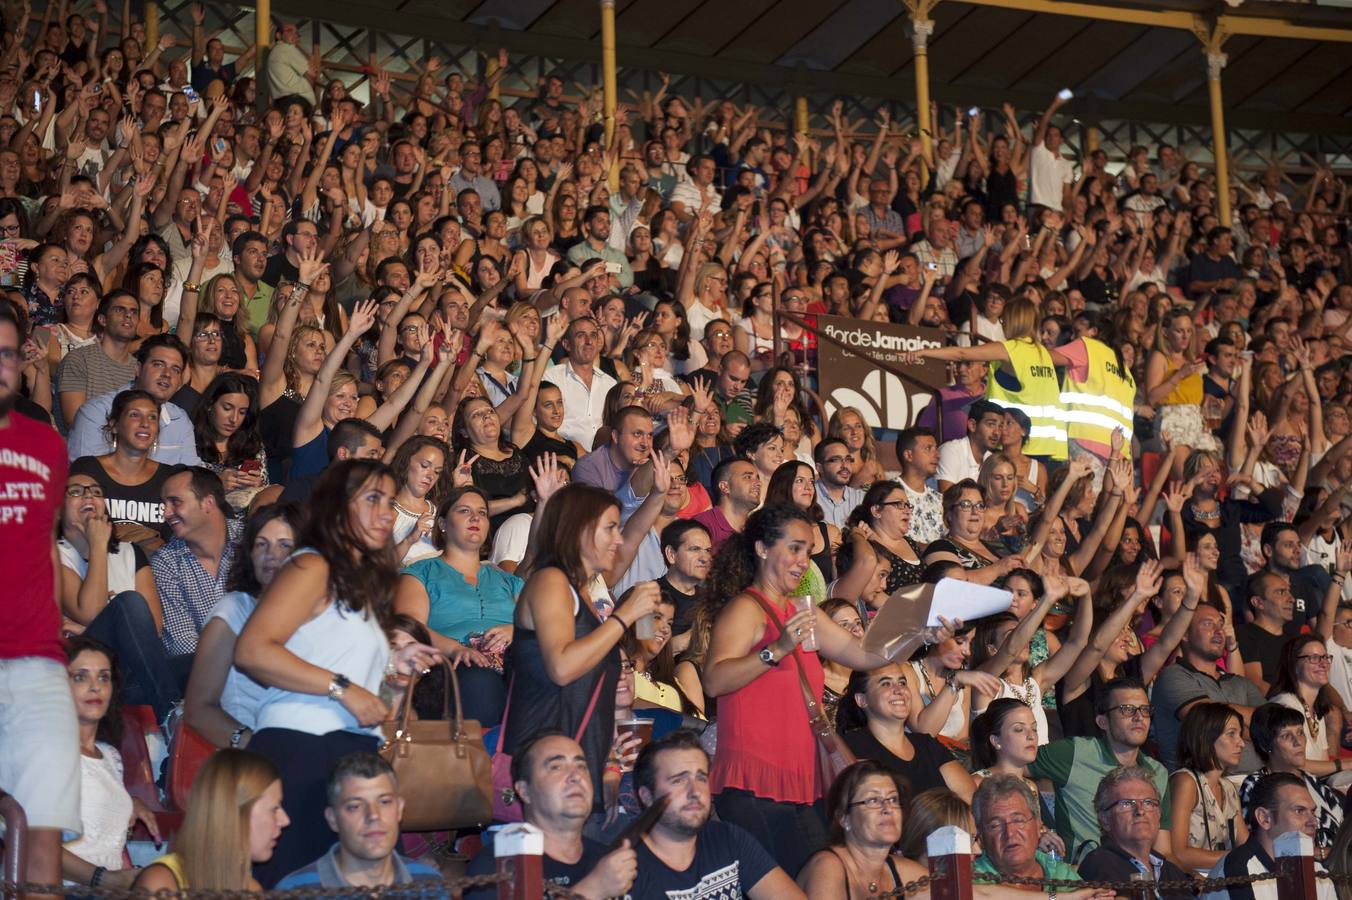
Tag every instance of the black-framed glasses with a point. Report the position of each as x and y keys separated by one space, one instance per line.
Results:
x=969 y=505
x=9 y=229
x=208 y=335
x=1130 y=712
x=891 y=801
x=1316 y=657
x=899 y=504
x=84 y=490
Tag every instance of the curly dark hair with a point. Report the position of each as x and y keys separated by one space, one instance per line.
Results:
x=361 y=578
x=765 y=399
x=110 y=726
x=734 y=568
x=246 y=443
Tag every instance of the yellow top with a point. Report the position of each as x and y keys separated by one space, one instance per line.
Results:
x=174 y=863
x=1189 y=390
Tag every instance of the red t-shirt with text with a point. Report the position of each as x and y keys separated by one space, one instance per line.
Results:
x=32 y=487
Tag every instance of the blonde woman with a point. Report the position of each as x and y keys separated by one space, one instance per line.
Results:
x=706 y=299
x=233 y=821
x=1021 y=376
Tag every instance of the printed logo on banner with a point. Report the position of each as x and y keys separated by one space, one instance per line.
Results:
x=852 y=379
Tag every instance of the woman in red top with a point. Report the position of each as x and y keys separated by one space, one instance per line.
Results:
x=765 y=771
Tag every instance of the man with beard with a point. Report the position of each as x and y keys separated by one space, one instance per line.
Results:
x=737 y=493
x=1194 y=678
x=40 y=757
x=685 y=854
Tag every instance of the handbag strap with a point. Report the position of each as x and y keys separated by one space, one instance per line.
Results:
x=591 y=707
x=813 y=707
x=452 y=687
x=502 y=729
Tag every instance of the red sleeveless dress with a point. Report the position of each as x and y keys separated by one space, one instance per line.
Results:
x=765 y=743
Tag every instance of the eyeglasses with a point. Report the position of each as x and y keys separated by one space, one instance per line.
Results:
x=1133 y=806
x=837 y=460
x=680 y=479
x=84 y=490
x=208 y=335
x=969 y=505
x=994 y=825
x=892 y=801
x=626 y=665
x=899 y=504
x=1317 y=657
x=9 y=229
x=1130 y=712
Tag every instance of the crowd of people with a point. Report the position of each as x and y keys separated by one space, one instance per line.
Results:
x=478 y=382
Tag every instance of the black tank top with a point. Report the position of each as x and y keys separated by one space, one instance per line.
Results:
x=538 y=704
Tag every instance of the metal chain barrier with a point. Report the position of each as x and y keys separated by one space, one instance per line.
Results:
x=417 y=889
x=1199 y=885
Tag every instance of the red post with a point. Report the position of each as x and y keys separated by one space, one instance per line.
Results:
x=1295 y=866
x=519 y=849
x=16 y=838
x=950 y=864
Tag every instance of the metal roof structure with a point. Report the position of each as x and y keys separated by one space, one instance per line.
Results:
x=1289 y=69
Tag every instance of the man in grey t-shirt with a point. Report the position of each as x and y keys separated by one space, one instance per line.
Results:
x=104 y=365
x=1195 y=678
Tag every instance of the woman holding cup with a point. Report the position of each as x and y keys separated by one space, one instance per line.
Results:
x=764 y=774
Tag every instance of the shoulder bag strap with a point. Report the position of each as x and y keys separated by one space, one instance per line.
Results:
x=813 y=706
x=591 y=707
x=502 y=729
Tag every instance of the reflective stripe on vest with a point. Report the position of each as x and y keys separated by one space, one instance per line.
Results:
x=1102 y=402
x=1039 y=397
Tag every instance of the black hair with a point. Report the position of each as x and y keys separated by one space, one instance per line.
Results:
x=645 y=775
x=988 y=725
x=348 y=433
x=1202 y=726
x=674 y=534
x=720 y=471
x=1103 y=701
x=110 y=726
x=155 y=341
x=1263 y=794
x=1266 y=722
x=242 y=576
x=246 y=443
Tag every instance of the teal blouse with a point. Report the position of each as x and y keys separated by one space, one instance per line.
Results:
x=457 y=608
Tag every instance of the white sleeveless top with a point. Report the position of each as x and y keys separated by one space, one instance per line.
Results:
x=105 y=810
x=957 y=714
x=404 y=523
x=121 y=565
x=351 y=644
x=1029 y=694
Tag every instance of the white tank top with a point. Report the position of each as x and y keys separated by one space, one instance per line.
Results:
x=1030 y=695
x=348 y=643
x=957 y=714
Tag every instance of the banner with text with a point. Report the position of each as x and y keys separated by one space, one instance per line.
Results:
x=851 y=379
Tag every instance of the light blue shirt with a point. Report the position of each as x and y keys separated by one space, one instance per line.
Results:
x=489 y=198
x=836 y=512
x=176 y=446
x=649 y=563
x=583 y=251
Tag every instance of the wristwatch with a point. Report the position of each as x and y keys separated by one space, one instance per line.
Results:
x=339 y=684
x=238 y=733
x=767 y=656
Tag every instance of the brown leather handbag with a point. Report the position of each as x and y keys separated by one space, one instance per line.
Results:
x=442 y=765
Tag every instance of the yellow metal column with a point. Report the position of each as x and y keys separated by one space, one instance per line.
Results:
x=1215 y=62
x=152 y=8
x=489 y=71
x=921 y=29
x=800 y=114
x=263 y=37
x=1091 y=139
x=608 y=89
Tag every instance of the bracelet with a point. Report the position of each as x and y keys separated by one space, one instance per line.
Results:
x=530 y=358
x=303 y=284
x=191 y=287
x=547 y=347
x=614 y=768
x=623 y=623
x=97 y=877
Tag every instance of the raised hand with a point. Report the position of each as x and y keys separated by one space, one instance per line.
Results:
x=463 y=473
x=1194 y=576
x=547 y=476
x=363 y=317
x=1148 y=581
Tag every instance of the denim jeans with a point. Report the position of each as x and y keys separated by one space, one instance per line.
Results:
x=148 y=678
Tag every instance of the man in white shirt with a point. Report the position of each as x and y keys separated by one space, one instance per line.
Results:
x=1050 y=176
x=288 y=68
x=584 y=387
x=697 y=193
x=962 y=458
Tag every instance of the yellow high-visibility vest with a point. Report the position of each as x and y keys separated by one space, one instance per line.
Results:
x=1039 y=396
x=1103 y=401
